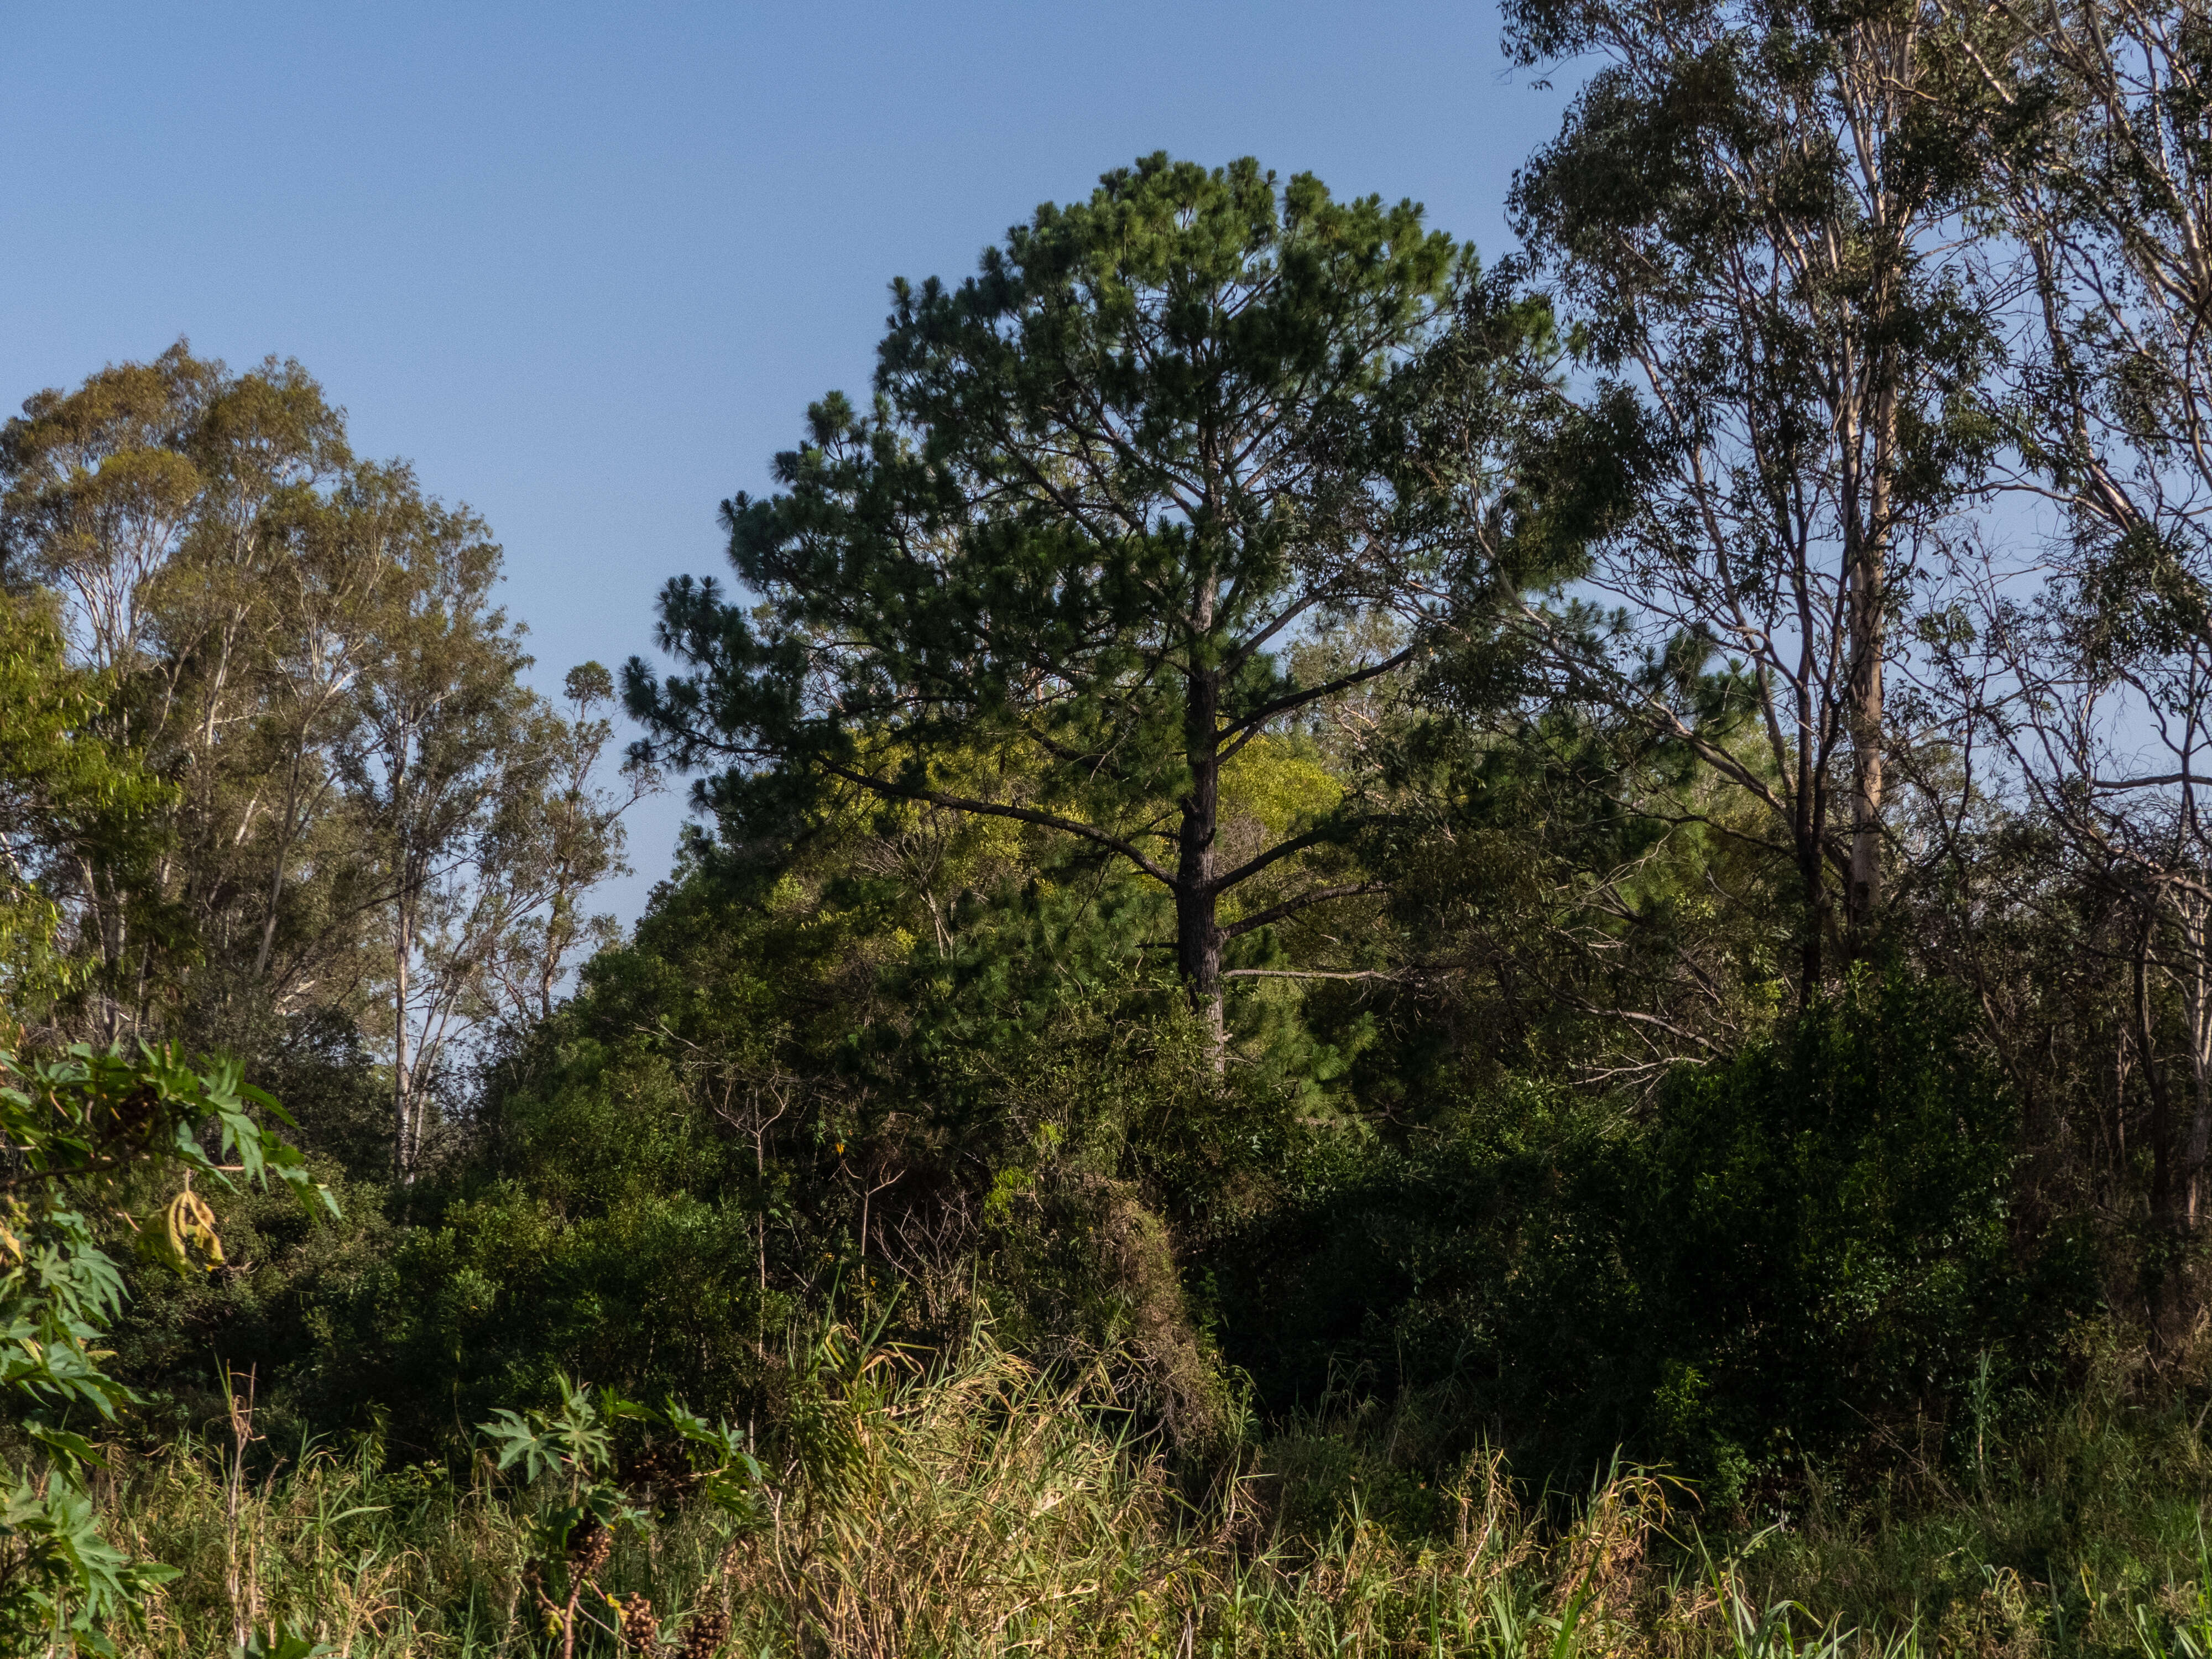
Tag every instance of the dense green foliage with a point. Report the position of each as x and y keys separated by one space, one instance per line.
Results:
x=88 y=1131
x=1791 y=1252
x=1382 y=955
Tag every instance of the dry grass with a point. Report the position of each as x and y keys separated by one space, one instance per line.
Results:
x=983 y=1510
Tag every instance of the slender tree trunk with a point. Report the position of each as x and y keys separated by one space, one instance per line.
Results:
x=401 y=1093
x=1198 y=935
x=277 y=878
x=1815 y=925
x=1810 y=816
x=556 y=925
x=2166 y=1184
x=1866 y=749
x=2197 y=999
x=1866 y=527
x=403 y=951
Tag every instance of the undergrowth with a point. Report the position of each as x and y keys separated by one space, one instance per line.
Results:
x=980 y=1508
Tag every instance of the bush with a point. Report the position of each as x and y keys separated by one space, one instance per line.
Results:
x=1790 y=1251
x=91 y=1133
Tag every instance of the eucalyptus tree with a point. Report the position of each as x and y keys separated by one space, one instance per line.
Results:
x=149 y=500
x=101 y=494
x=2094 y=123
x=368 y=813
x=1755 y=213
x=1104 y=484
x=442 y=736
x=554 y=835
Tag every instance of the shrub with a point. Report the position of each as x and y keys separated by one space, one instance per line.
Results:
x=86 y=1136
x=1789 y=1250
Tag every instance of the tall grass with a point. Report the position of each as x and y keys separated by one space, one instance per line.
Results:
x=981 y=1509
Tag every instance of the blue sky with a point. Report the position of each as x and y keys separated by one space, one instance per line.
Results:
x=585 y=266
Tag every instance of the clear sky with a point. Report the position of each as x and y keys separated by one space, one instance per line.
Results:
x=586 y=265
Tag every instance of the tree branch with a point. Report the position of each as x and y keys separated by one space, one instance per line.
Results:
x=1248 y=724
x=1292 y=906
x=998 y=810
x=1302 y=973
x=2115 y=785
x=1280 y=850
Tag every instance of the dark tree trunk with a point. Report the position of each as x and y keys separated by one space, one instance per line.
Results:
x=2169 y=1205
x=1198 y=935
x=1810 y=809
